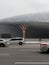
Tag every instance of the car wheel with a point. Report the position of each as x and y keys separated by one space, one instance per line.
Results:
x=20 y=43
x=2 y=45
x=48 y=51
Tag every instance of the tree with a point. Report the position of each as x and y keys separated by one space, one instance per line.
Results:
x=23 y=28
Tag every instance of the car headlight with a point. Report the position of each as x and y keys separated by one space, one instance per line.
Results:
x=8 y=43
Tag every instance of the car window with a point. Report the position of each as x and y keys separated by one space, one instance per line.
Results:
x=15 y=39
x=1 y=40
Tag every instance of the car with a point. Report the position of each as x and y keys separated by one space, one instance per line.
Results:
x=16 y=40
x=44 y=46
x=3 y=42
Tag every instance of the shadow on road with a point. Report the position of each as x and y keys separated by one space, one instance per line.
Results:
x=44 y=52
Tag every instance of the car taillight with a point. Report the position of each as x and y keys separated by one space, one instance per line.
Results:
x=43 y=44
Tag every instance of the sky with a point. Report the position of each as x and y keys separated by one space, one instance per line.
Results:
x=9 y=8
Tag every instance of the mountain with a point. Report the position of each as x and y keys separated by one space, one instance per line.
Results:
x=38 y=17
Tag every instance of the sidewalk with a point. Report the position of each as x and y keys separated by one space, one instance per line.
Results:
x=32 y=42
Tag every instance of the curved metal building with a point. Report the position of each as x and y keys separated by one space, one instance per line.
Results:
x=34 y=29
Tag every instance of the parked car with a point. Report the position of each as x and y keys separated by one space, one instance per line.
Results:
x=3 y=42
x=16 y=40
x=44 y=46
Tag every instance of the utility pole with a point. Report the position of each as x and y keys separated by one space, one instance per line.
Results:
x=23 y=28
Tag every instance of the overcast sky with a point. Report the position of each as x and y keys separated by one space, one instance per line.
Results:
x=10 y=8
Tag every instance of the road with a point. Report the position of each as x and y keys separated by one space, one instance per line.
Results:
x=23 y=55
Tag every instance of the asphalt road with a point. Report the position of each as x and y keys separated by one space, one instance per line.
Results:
x=23 y=55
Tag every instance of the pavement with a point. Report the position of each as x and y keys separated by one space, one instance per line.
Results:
x=23 y=55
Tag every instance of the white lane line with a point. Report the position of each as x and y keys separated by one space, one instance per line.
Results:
x=31 y=63
x=4 y=54
x=25 y=46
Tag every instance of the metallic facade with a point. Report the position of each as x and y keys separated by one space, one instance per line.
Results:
x=33 y=30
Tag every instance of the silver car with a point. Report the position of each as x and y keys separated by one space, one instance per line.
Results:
x=44 y=46
x=16 y=40
x=3 y=42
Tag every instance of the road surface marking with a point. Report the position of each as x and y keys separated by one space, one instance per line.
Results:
x=25 y=46
x=4 y=54
x=32 y=63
